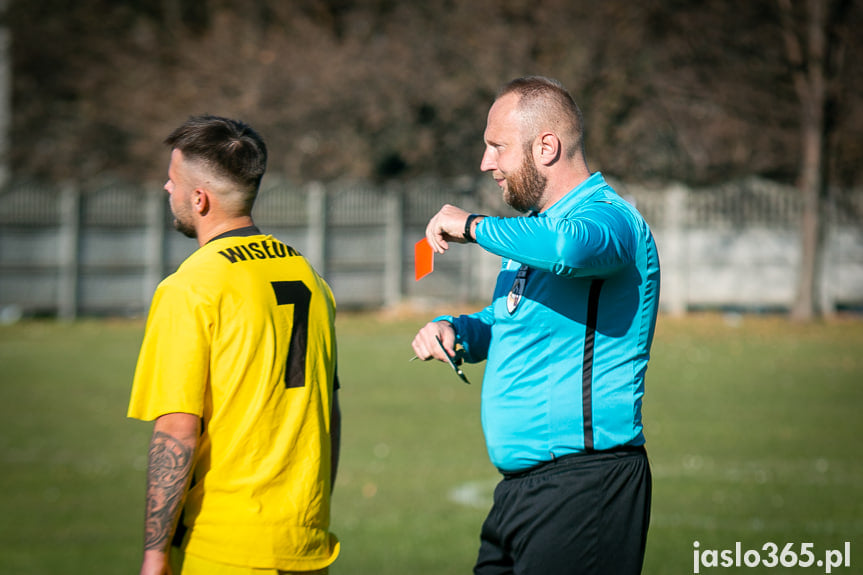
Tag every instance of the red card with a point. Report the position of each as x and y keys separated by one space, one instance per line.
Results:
x=423 y=259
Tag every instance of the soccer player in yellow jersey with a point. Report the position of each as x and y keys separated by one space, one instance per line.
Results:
x=238 y=371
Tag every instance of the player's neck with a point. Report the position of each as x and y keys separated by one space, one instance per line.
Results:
x=207 y=231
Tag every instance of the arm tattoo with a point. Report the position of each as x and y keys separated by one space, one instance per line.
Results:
x=170 y=466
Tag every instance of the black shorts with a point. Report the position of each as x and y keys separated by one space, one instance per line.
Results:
x=581 y=514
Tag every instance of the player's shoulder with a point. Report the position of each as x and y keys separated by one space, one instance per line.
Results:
x=195 y=274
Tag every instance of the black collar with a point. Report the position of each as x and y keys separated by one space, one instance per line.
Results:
x=239 y=233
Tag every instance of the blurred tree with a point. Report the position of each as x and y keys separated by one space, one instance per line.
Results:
x=761 y=86
x=5 y=93
x=815 y=34
x=380 y=89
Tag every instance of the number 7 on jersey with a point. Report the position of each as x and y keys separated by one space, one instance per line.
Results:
x=295 y=292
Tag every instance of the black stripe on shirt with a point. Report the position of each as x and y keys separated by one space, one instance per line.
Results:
x=587 y=363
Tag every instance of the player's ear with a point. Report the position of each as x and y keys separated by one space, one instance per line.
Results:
x=201 y=201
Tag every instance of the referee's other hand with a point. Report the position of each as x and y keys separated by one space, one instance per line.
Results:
x=426 y=347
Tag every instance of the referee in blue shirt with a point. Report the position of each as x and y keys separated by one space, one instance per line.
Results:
x=566 y=342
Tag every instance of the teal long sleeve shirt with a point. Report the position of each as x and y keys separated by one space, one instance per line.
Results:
x=566 y=358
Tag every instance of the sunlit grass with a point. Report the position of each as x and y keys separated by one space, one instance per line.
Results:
x=751 y=422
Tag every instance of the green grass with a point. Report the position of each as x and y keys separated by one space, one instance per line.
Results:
x=753 y=428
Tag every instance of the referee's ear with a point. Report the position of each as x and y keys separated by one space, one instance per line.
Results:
x=549 y=148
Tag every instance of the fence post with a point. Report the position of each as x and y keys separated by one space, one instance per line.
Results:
x=316 y=214
x=828 y=269
x=393 y=240
x=154 y=242
x=673 y=254
x=68 y=252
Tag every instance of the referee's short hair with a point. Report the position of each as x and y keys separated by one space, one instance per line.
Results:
x=544 y=104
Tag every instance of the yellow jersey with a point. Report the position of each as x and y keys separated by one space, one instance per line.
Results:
x=242 y=335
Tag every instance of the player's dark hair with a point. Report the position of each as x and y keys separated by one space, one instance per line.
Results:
x=232 y=149
x=545 y=100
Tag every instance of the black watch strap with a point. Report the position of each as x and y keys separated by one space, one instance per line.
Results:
x=467 y=224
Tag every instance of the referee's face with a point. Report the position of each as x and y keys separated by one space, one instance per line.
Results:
x=179 y=191
x=503 y=149
x=509 y=158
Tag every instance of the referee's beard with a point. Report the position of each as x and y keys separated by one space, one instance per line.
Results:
x=525 y=186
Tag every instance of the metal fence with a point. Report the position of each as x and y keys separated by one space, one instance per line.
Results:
x=102 y=251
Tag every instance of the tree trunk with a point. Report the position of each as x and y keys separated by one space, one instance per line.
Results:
x=808 y=63
x=806 y=304
x=5 y=93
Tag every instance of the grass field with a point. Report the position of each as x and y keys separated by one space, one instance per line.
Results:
x=753 y=426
